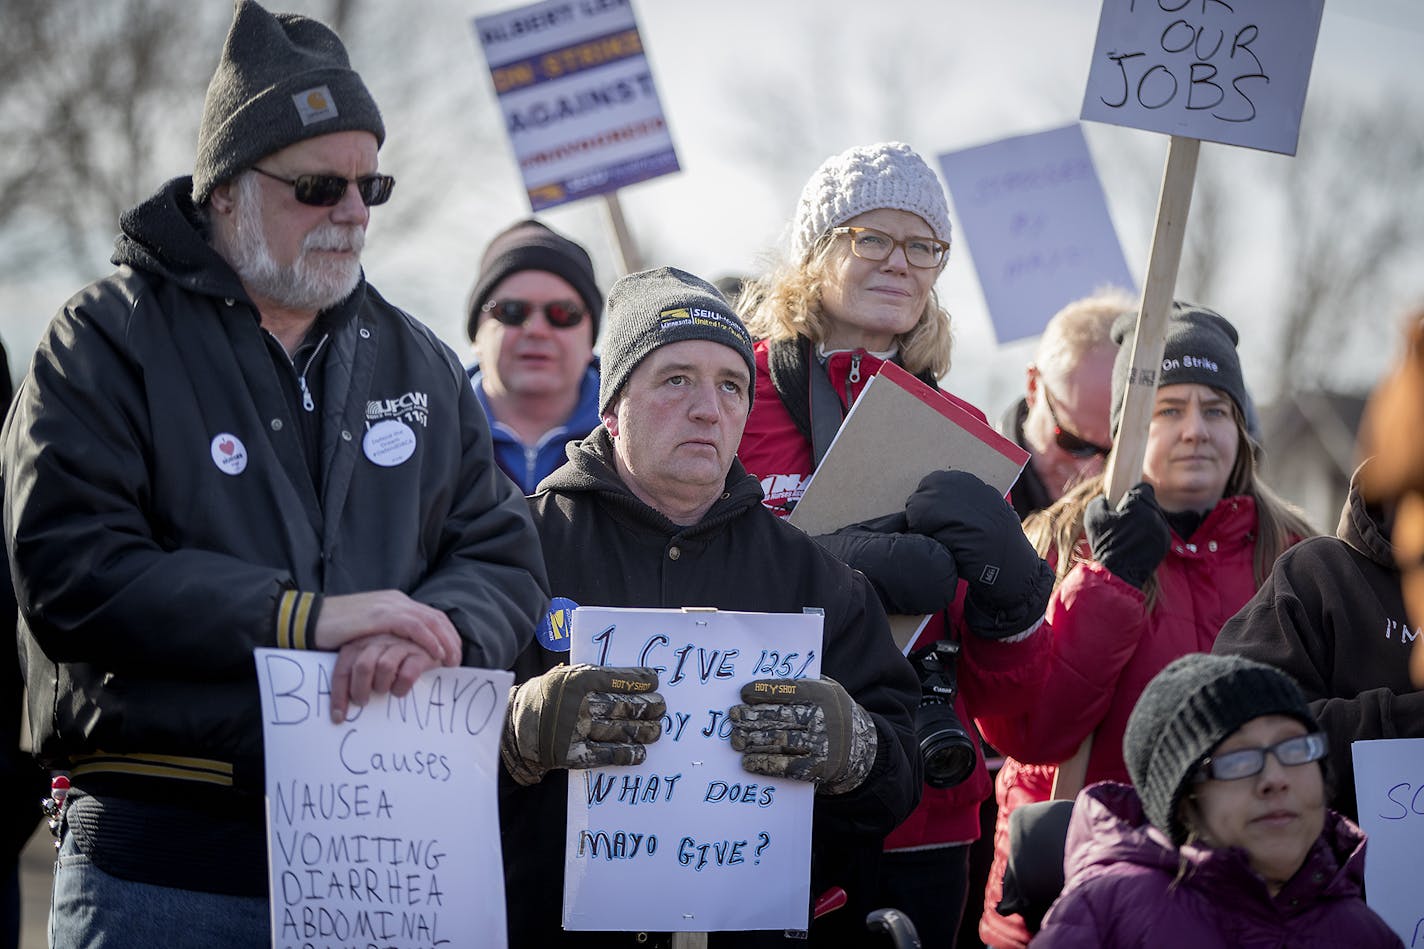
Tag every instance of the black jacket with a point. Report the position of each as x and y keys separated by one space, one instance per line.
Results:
x=1332 y=615
x=147 y=573
x=607 y=548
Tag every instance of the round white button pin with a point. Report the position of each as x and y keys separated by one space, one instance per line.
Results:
x=229 y=454
x=388 y=443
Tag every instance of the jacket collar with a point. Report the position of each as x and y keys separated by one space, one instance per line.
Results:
x=1363 y=526
x=591 y=470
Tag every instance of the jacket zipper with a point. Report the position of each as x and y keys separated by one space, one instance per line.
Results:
x=307 y=402
x=852 y=379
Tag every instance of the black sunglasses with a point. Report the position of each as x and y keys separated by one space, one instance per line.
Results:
x=326 y=191
x=561 y=314
x=1072 y=444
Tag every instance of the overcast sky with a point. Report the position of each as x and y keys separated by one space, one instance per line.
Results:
x=757 y=93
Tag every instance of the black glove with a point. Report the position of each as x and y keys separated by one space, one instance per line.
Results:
x=1009 y=583
x=1132 y=540
x=912 y=574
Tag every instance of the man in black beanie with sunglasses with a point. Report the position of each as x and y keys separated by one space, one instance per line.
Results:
x=533 y=321
x=235 y=442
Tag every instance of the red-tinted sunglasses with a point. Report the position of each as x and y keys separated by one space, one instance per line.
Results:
x=561 y=314
x=1074 y=445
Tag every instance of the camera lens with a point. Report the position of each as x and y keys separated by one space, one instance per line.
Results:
x=945 y=748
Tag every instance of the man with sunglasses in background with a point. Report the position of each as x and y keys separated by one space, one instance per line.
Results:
x=1062 y=419
x=533 y=321
x=235 y=442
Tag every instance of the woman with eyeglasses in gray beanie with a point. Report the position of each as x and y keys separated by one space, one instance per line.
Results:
x=870 y=237
x=1224 y=839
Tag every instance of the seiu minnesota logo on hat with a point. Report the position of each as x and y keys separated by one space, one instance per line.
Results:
x=315 y=105
x=697 y=316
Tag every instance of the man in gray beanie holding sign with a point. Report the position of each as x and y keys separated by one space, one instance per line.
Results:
x=653 y=510
x=235 y=442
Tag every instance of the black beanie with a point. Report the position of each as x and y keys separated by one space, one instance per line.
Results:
x=529 y=245
x=282 y=78
x=651 y=308
x=1188 y=709
x=1200 y=347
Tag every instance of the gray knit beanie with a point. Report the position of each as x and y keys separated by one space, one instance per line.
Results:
x=1200 y=347
x=1188 y=709
x=282 y=78
x=865 y=178
x=652 y=308
x=529 y=245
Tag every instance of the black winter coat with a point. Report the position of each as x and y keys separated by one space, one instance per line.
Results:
x=1332 y=615
x=605 y=547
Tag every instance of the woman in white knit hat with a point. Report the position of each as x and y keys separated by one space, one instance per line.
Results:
x=870 y=237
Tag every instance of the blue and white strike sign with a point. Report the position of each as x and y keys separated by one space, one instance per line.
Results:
x=577 y=96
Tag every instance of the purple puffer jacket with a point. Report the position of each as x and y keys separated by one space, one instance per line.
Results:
x=1120 y=890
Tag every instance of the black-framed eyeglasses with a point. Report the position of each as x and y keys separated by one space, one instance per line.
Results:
x=561 y=314
x=1248 y=762
x=326 y=191
x=867 y=243
x=1075 y=445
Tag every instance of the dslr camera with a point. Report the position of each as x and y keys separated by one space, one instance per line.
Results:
x=945 y=746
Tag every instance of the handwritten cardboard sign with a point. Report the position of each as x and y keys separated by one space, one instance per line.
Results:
x=1036 y=221
x=1389 y=787
x=1232 y=72
x=688 y=841
x=578 y=98
x=380 y=828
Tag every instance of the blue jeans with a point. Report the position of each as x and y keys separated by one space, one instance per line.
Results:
x=89 y=909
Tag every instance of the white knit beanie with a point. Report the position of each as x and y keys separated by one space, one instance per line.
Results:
x=864 y=178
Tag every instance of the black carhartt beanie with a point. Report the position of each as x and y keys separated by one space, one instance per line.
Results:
x=530 y=245
x=282 y=78
x=1200 y=347
x=1188 y=709
x=652 y=308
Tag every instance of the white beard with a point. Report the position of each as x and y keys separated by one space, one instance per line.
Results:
x=311 y=282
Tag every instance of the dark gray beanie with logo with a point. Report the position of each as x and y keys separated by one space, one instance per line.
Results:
x=1200 y=347
x=282 y=78
x=652 y=308
x=1188 y=709
x=530 y=245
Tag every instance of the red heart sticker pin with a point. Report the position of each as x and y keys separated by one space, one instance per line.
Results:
x=226 y=447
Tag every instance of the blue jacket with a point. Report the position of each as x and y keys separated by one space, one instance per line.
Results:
x=527 y=465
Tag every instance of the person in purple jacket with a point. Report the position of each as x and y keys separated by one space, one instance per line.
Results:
x=1224 y=840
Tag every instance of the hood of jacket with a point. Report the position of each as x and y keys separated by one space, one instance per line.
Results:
x=1364 y=526
x=591 y=469
x=1110 y=827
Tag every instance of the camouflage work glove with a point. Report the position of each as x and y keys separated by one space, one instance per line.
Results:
x=580 y=717
x=805 y=730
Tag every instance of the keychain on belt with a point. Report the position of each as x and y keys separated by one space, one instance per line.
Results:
x=53 y=805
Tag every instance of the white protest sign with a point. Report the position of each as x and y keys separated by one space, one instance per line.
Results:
x=578 y=100
x=1389 y=790
x=1036 y=222
x=1232 y=72
x=381 y=828
x=688 y=841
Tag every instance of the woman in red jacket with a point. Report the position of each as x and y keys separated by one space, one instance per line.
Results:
x=1145 y=583
x=870 y=237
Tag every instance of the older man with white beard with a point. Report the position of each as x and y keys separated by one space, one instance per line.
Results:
x=234 y=442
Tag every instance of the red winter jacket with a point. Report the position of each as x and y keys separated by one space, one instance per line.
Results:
x=1128 y=886
x=1105 y=650
x=994 y=677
